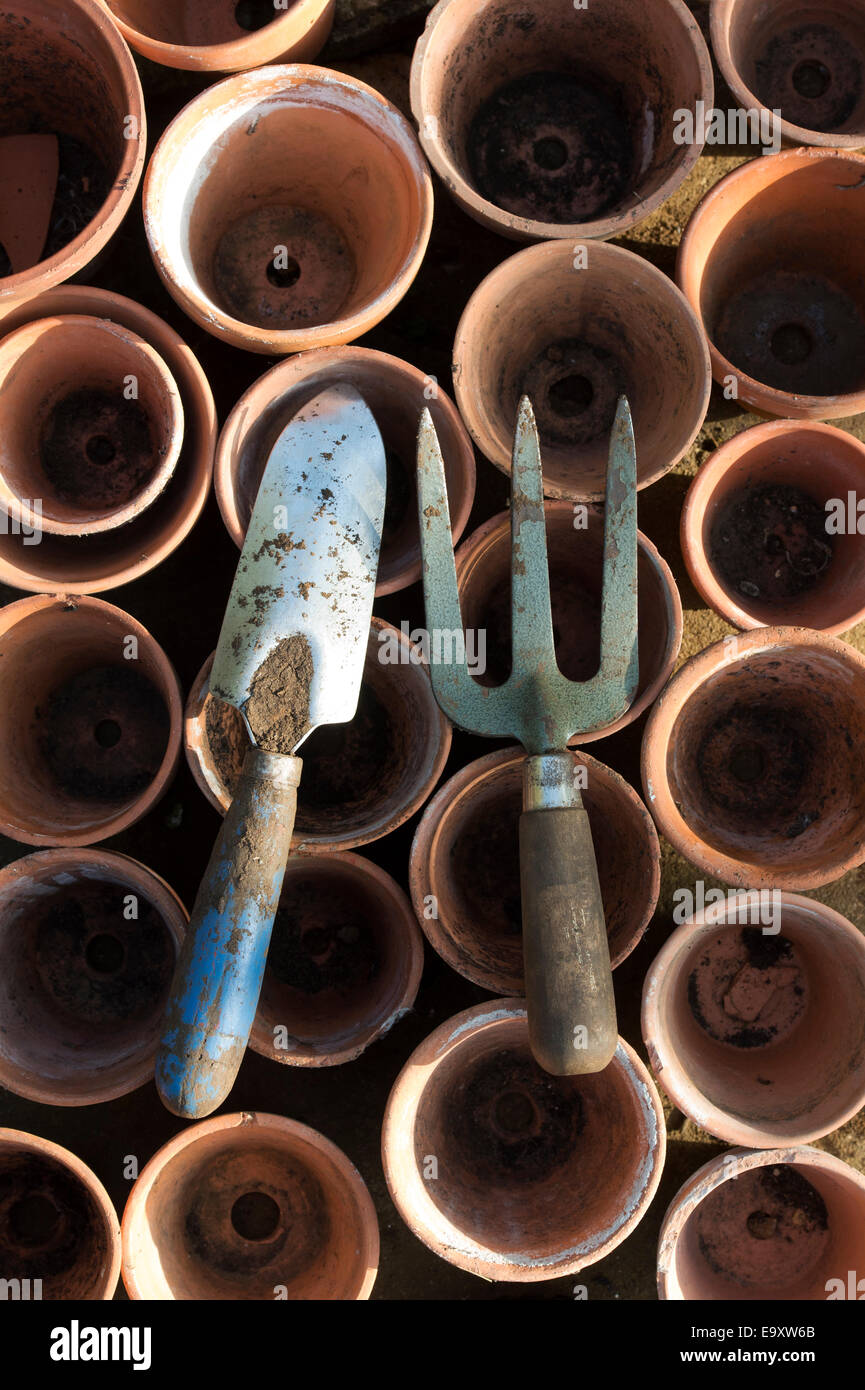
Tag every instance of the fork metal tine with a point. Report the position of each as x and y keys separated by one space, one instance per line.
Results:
x=619 y=647
x=531 y=616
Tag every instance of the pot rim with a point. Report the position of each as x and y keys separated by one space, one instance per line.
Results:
x=688 y=277
x=671 y=1071
x=720 y=1169
x=472 y=549
x=701 y=571
x=78 y=252
x=232 y=54
x=532 y=261
x=241 y=92
x=96 y=1190
x=425 y=848
x=134 y=1225
x=528 y=229
x=718 y=656
x=440 y=1234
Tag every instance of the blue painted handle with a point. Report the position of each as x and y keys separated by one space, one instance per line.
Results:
x=217 y=983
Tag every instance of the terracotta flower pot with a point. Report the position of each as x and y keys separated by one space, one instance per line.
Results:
x=288 y=208
x=57 y=1222
x=72 y=144
x=770 y=262
x=90 y=737
x=549 y=121
x=250 y=1206
x=397 y=394
x=88 y=942
x=751 y=759
x=753 y=1020
x=509 y=1172
x=360 y=780
x=783 y=1224
x=575 y=561
x=344 y=965
x=464 y=868
x=759 y=543
x=806 y=62
x=91 y=423
x=224 y=35
x=89 y=564
x=574 y=340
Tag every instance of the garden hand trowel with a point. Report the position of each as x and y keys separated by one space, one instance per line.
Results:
x=290 y=657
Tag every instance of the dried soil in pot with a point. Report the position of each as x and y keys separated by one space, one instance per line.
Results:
x=770 y=543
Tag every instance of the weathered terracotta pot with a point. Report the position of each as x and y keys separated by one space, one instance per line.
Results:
x=344 y=965
x=752 y=1018
x=360 y=780
x=552 y=121
x=785 y=1224
x=83 y=981
x=509 y=1172
x=225 y=36
x=464 y=867
x=397 y=393
x=70 y=84
x=308 y=250
x=575 y=561
x=770 y=262
x=807 y=63
x=80 y=453
x=57 y=1222
x=250 y=1206
x=759 y=539
x=89 y=737
x=574 y=340
x=90 y=564
x=751 y=759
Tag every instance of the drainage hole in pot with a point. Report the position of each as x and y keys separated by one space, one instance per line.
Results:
x=571 y=395
x=747 y=762
x=791 y=344
x=100 y=450
x=550 y=153
x=255 y=1216
x=811 y=78
x=32 y=1221
x=283 y=276
x=107 y=733
x=762 y=1225
x=254 y=14
x=514 y=1112
x=104 y=953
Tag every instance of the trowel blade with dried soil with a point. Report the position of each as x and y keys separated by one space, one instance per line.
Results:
x=290 y=657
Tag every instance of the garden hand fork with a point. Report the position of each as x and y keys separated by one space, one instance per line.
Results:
x=569 y=987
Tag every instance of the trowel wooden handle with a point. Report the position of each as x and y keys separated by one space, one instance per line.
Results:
x=569 y=983
x=216 y=986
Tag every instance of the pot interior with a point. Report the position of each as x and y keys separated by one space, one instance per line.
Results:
x=188 y=23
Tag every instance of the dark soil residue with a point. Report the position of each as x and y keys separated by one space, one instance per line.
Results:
x=812 y=75
x=97 y=450
x=485 y=862
x=322 y=939
x=278 y=705
x=45 y=1227
x=770 y=543
x=227 y=740
x=551 y=146
x=83 y=184
x=767 y=1227
x=103 y=734
x=755 y=764
x=346 y=764
x=747 y=989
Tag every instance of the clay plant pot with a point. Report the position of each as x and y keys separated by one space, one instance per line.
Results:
x=770 y=262
x=754 y=528
x=575 y=562
x=76 y=564
x=72 y=141
x=783 y=1224
x=574 y=340
x=250 y=1206
x=91 y=423
x=344 y=965
x=549 y=121
x=509 y=1172
x=465 y=865
x=88 y=943
x=807 y=62
x=225 y=36
x=90 y=735
x=753 y=1021
x=397 y=393
x=360 y=780
x=288 y=208
x=57 y=1222
x=751 y=759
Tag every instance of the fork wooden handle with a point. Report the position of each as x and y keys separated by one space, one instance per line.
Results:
x=569 y=983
